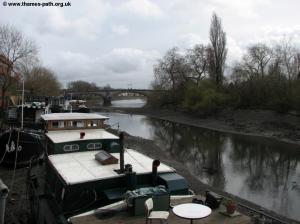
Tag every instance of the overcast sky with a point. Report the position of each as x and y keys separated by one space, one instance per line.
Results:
x=117 y=42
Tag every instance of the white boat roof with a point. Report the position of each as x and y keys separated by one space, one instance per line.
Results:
x=80 y=167
x=74 y=135
x=72 y=116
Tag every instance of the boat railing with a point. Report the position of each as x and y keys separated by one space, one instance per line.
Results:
x=113 y=125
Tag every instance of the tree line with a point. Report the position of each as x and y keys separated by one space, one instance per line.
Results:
x=266 y=77
x=19 y=61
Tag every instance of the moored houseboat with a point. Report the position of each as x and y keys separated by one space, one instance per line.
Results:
x=87 y=167
x=18 y=146
x=76 y=106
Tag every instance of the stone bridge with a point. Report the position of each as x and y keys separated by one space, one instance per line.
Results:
x=109 y=94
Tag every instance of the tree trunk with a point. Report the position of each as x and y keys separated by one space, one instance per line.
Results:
x=2 y=97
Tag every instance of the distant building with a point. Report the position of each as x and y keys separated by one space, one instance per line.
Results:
x=5 y=65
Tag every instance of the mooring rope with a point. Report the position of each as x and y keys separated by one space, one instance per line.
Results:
x=6 y=148
x=18 y=148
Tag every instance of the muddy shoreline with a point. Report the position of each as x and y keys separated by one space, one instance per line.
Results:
x=260 y=123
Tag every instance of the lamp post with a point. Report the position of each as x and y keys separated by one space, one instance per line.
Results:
x=22 y=99
x=22 y=109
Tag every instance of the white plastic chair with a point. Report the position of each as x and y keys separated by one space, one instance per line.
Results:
x=158 y=215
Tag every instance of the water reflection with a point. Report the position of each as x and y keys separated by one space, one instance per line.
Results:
x=198 y=149
x=132 y=103
x=271 y=171
x=136 y=125
x=263 y=171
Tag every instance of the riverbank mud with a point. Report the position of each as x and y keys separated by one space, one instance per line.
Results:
x=270 y=124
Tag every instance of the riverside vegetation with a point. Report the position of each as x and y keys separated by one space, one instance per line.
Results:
x=267 y=77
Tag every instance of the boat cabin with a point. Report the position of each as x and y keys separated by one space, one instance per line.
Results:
x=67 y=121
x=78 y=132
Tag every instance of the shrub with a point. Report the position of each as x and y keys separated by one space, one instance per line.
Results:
x=204 y=99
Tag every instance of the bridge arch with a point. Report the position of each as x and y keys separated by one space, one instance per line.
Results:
x=108 y=94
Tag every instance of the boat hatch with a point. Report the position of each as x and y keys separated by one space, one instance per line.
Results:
x=175 y=183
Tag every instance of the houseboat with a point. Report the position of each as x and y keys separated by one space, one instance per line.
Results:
x=18 y=146
x=25 y=137
x=31 y=115
x=86 y=167
x=76 y=106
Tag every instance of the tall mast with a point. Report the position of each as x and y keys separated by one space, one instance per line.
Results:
x=22 y=113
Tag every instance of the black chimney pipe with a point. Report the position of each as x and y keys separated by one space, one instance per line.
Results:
x=121 y=136
x=155 y=164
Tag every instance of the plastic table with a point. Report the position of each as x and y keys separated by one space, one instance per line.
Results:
x=191 y=211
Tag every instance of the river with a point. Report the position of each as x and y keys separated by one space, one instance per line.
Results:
x=133 y=103
x=260 y=170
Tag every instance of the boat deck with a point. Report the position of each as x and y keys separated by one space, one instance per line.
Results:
x=79 y=167
x=61 y=136
x=125 y=218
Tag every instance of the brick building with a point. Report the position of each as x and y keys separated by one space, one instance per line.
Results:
x=5 y=65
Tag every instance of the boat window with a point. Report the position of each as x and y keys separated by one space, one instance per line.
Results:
x=114 y=146
x=75 y=147
x=61 y=124
x=97 y=145
x=77 y=124
x=92 y=124
x=80 y=124
x=54 y=124
x=73 y=124
x=71 y=148
x=58 y=124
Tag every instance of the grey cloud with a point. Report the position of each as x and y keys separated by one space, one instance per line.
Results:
x=118 y=41
x=119 y=66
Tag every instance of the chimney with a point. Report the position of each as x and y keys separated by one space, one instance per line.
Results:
x=155 y=164
x=121 y=136
x=82 y=134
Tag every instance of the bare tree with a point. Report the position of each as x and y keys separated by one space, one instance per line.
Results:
x=82 y=86
x=41 y=81
x=15 y=50
x=239 y=73
x=289 y=57
x=217 y=52
x=170 y=72
x=198 y=62
x=259 y=57
x=297 y=64
x=257 y=60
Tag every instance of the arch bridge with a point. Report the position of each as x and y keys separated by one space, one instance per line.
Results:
x=109 y=94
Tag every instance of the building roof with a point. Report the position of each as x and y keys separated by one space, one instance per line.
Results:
x=80 y=167
x=72 y=116
x=74 y=135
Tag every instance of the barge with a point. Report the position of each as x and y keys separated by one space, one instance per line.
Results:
x=86 y=167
